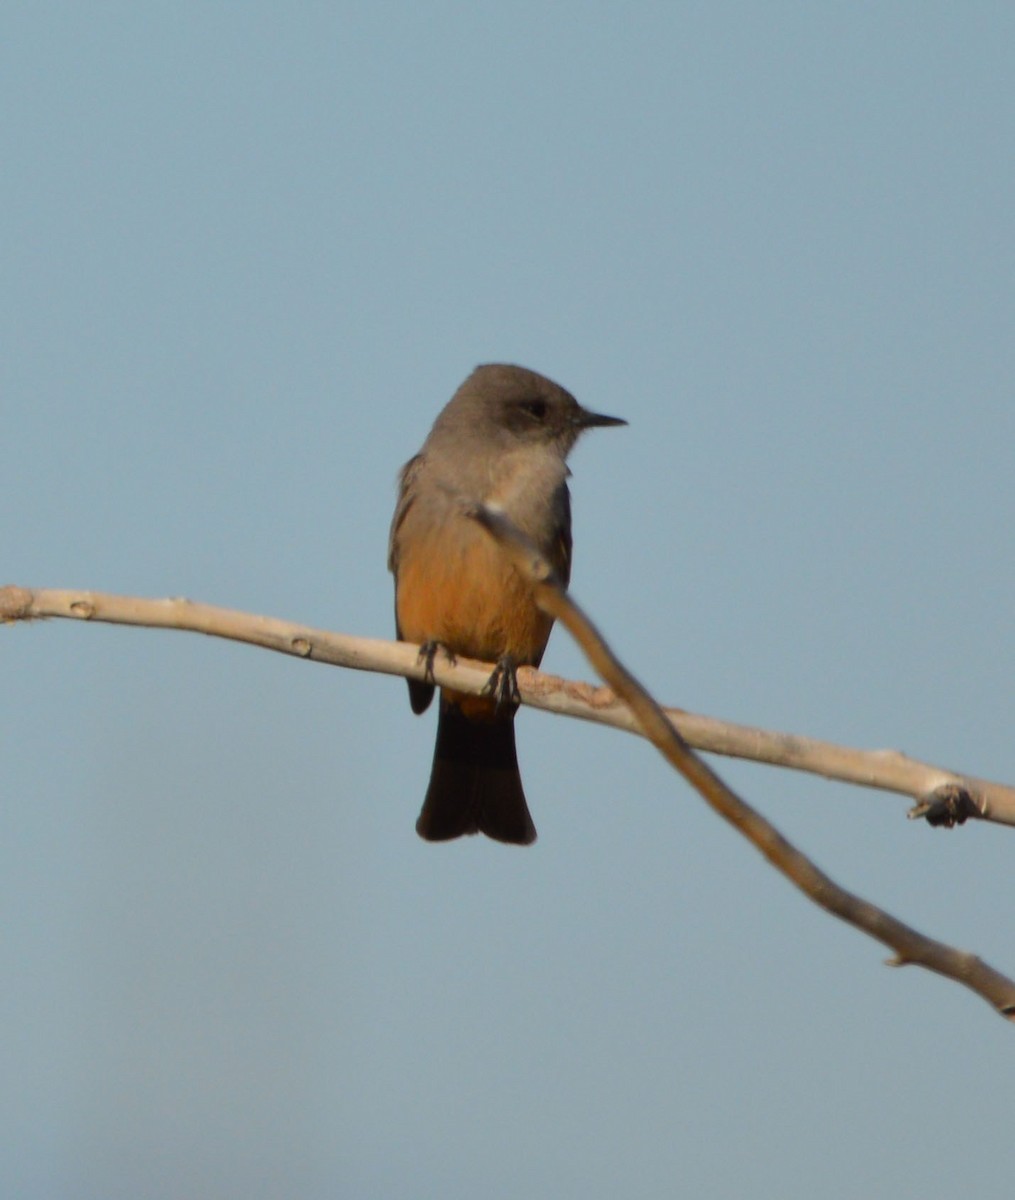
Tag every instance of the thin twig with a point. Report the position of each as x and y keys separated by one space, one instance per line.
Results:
x=944 y=797
x=909 y=946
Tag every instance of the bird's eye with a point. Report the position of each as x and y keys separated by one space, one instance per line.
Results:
x=535 y=408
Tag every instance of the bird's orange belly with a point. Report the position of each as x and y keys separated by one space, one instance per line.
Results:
x=459 y=591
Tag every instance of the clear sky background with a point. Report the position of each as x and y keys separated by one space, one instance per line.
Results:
x=249 y=250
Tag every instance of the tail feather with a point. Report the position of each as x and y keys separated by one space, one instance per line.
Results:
x=475 y=786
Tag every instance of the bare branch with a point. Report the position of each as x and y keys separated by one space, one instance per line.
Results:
x=943 y=797
x=908 y=945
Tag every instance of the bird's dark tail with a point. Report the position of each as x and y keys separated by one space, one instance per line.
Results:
x=475 y=786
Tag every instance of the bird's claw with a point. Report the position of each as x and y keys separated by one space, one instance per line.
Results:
x=502 y=685
x=427 y=654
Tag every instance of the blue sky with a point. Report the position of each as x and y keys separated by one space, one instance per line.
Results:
x=249 y=251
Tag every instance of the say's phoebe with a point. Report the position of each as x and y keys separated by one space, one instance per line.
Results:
x=502 y=440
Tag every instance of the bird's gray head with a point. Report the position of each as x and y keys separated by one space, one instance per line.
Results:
x=510 y=406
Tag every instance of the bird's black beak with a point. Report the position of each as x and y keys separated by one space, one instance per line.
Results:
x=591 y=420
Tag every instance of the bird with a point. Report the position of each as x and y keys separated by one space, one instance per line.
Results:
x=501 y=441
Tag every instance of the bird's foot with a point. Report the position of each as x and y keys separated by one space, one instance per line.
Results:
x=427 y=654
x=502 y=686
